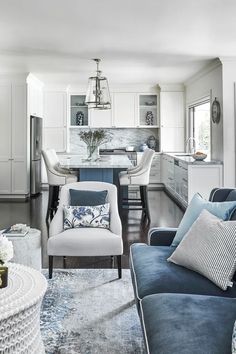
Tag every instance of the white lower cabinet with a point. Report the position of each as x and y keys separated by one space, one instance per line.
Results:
x=155 y=173
x=184 y=179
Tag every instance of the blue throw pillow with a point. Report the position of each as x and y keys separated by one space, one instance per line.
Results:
x=222 y=210
x=87 y=198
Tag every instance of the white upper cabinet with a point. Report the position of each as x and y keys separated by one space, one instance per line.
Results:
x=13 y=139
x=5 y=121
x=78 y=111
x=172 y=109
x=172 y=121
x=124 y=110
x=54 y=109
x=54 y=120
x=100 y=118
x=148 y=110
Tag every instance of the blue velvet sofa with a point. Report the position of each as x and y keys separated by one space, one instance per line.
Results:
x=181 y=311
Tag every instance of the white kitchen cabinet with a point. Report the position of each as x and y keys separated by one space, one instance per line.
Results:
x=54 y=122
x=183 y=179
x=100 y=118
x=14 y=176
x=124 y=110
x=155 y=172
x=148 y=110
x=172 y=120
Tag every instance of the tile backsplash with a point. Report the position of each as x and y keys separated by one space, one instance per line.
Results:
x=120 y=139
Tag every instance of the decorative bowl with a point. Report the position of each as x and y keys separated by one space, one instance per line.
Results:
x=129 y=148
x=199 y=157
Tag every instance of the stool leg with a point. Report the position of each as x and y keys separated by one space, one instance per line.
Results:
x=147 y=211
x=64 y=262
x=50 y=267
x=50 y=201
x=141 y=189
x=119 y=267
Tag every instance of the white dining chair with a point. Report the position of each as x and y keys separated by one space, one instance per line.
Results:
x=86 y=241
x=57 y=177
x=137 y=176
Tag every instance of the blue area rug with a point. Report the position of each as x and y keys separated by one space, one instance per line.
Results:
x=90 y=311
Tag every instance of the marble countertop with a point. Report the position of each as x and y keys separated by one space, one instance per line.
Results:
x=105 y=161
x=190 y=160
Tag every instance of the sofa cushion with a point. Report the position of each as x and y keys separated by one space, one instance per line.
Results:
x=153 y=274
x=209 y=248
x=179 y=323
x=222 y=210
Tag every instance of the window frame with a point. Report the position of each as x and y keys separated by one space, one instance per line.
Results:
x=191 y=110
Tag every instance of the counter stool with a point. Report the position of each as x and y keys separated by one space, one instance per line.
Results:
x=137 y=176
x=57 y=177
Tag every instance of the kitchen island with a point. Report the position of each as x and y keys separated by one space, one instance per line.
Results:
x=104 y=169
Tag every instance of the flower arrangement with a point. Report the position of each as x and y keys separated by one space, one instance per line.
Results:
x=94 y=138
x=6 y=250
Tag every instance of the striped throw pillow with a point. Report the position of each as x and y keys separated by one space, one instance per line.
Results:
x=209 y=248
x=234 y=340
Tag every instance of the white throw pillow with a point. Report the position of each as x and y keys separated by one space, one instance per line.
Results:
x=209 y=248
x=87 y=216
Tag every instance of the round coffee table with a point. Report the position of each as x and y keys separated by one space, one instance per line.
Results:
x=20 y=305
x=27 y=249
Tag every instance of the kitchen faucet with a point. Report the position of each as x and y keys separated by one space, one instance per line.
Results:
x=190 y=145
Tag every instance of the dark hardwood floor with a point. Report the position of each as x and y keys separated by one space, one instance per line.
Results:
x=164 y=212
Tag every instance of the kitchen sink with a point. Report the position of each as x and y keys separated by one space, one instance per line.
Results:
x=183 y=154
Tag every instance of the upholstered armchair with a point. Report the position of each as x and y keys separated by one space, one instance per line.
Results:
x=86 y=241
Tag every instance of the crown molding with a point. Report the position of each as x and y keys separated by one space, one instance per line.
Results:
x=215 y=63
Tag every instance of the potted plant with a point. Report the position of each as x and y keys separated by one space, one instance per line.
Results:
x=6 y=253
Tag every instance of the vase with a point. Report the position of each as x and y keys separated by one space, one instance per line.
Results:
x=149 y=118
x=92 y=152
x=3 y=276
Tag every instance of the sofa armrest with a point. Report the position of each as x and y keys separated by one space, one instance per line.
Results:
x=161 y=236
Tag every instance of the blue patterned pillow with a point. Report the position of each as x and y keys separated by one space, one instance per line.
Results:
x=87 y=216
x=234 y=340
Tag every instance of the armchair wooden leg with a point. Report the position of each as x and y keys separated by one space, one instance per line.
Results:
x=64 y=262
x=50 y=201
x=50 y=267
x=119 y=267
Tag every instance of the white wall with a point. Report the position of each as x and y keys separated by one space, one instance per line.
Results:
x=229 y=79
x=208 y=83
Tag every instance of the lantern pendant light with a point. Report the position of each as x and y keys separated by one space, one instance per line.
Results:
x=98 y=95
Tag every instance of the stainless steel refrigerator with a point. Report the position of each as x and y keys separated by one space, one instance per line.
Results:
x=36 y=125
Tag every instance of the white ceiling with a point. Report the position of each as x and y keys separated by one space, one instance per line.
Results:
x=151 y=41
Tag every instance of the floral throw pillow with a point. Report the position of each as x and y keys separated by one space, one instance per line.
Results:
x=87 y=216
x=234 y=340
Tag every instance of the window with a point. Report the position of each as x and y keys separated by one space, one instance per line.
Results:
x=200 y=126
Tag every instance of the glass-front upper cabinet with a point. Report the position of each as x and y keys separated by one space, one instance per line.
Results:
x=78 y=111
x=149 y=110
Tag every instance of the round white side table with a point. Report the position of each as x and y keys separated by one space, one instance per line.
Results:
x=27 y=249
x=20 y=305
